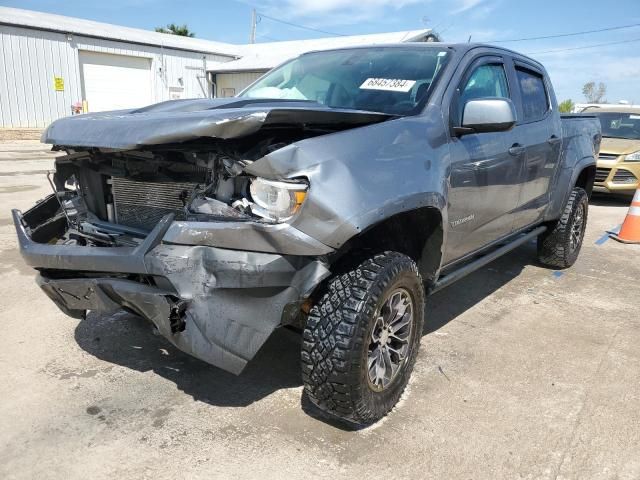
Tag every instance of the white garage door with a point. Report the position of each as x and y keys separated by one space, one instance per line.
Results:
x=112 y=82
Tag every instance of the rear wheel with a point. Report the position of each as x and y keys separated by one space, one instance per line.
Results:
x=560 y=245
x=362 y=337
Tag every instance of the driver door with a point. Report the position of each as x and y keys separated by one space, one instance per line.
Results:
x=485 y=167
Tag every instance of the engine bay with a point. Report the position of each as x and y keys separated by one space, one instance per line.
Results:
x=110 y=198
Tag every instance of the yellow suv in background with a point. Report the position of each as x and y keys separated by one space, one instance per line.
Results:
x=618 y=168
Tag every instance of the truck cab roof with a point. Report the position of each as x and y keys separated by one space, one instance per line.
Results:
x=460 y=48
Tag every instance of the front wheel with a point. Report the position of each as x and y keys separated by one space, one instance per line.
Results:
x=362 y=338
x=559 y=246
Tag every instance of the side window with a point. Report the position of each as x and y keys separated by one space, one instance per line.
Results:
x=486 y=81
x=535 y=102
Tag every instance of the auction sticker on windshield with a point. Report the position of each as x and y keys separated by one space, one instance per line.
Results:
x=388 y=84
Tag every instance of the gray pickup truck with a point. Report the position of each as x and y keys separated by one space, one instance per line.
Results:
x=330 y=196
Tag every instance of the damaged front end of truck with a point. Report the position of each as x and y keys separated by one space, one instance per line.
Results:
x=167 y=212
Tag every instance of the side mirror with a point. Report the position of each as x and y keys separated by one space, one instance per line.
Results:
x=487 y=115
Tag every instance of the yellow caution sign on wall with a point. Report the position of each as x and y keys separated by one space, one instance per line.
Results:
x=58 y=83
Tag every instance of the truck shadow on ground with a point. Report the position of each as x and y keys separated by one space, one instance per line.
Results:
x=127 y=340
x=451 y=302
x=610 y=200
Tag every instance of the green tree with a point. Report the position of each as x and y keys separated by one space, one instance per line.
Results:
x=174 y=29
x=566 y=106
x=594 y=93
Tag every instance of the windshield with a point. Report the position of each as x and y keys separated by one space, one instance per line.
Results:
x=392 y=80
x=619 y=124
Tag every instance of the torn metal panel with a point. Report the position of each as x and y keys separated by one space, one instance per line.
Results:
x=199 y=270
x=233 y=300
x=77 y=295
x=275 y=238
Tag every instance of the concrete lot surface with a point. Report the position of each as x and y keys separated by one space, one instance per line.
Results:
x=20 y=134
x=523 y=373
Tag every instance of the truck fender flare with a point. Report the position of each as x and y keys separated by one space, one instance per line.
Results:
x=367 y=219
x=565 y=183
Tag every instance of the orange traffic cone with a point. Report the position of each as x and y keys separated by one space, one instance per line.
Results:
x=630 y=230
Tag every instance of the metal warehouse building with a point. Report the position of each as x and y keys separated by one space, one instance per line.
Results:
x=50 y=62
x=51 y=65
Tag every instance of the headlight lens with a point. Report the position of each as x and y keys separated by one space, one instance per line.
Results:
x=633 y=157
x=277 y=201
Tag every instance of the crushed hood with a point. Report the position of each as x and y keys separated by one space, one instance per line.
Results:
x=178 y=121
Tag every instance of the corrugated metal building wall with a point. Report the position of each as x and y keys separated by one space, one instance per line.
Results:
x=30 y=59
x=230 y=84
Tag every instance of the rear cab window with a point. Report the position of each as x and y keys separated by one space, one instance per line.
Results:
x=535 y=100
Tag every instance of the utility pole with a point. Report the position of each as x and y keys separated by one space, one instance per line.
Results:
x=254 y=20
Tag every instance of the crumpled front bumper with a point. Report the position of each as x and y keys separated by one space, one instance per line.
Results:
x=216 y=304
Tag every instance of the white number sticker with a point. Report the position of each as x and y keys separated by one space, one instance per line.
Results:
x=634 y=117
x=388 y=84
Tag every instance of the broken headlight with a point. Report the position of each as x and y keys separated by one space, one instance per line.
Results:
x=277 y=201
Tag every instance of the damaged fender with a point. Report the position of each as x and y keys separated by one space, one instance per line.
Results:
x=351 y=174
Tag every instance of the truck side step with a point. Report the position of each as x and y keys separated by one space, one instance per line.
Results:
x=480 y=262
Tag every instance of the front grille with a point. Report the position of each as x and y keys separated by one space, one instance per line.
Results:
x=607 y=156
x=624 y=176
x=602 y=174
x=143 y=204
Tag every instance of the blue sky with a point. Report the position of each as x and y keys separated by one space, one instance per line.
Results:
x=618 y=66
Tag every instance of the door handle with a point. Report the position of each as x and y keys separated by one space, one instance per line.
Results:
x=516 y=149
x=554 y=139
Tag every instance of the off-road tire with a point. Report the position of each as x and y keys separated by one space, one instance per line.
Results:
x=337 y=336
x=554 y=245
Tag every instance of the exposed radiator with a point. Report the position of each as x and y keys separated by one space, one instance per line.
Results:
x=143 y=204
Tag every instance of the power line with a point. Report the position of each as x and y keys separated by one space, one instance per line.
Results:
x=262 y=15
x=568 y=34
x=584 y=47
x=297 y=25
